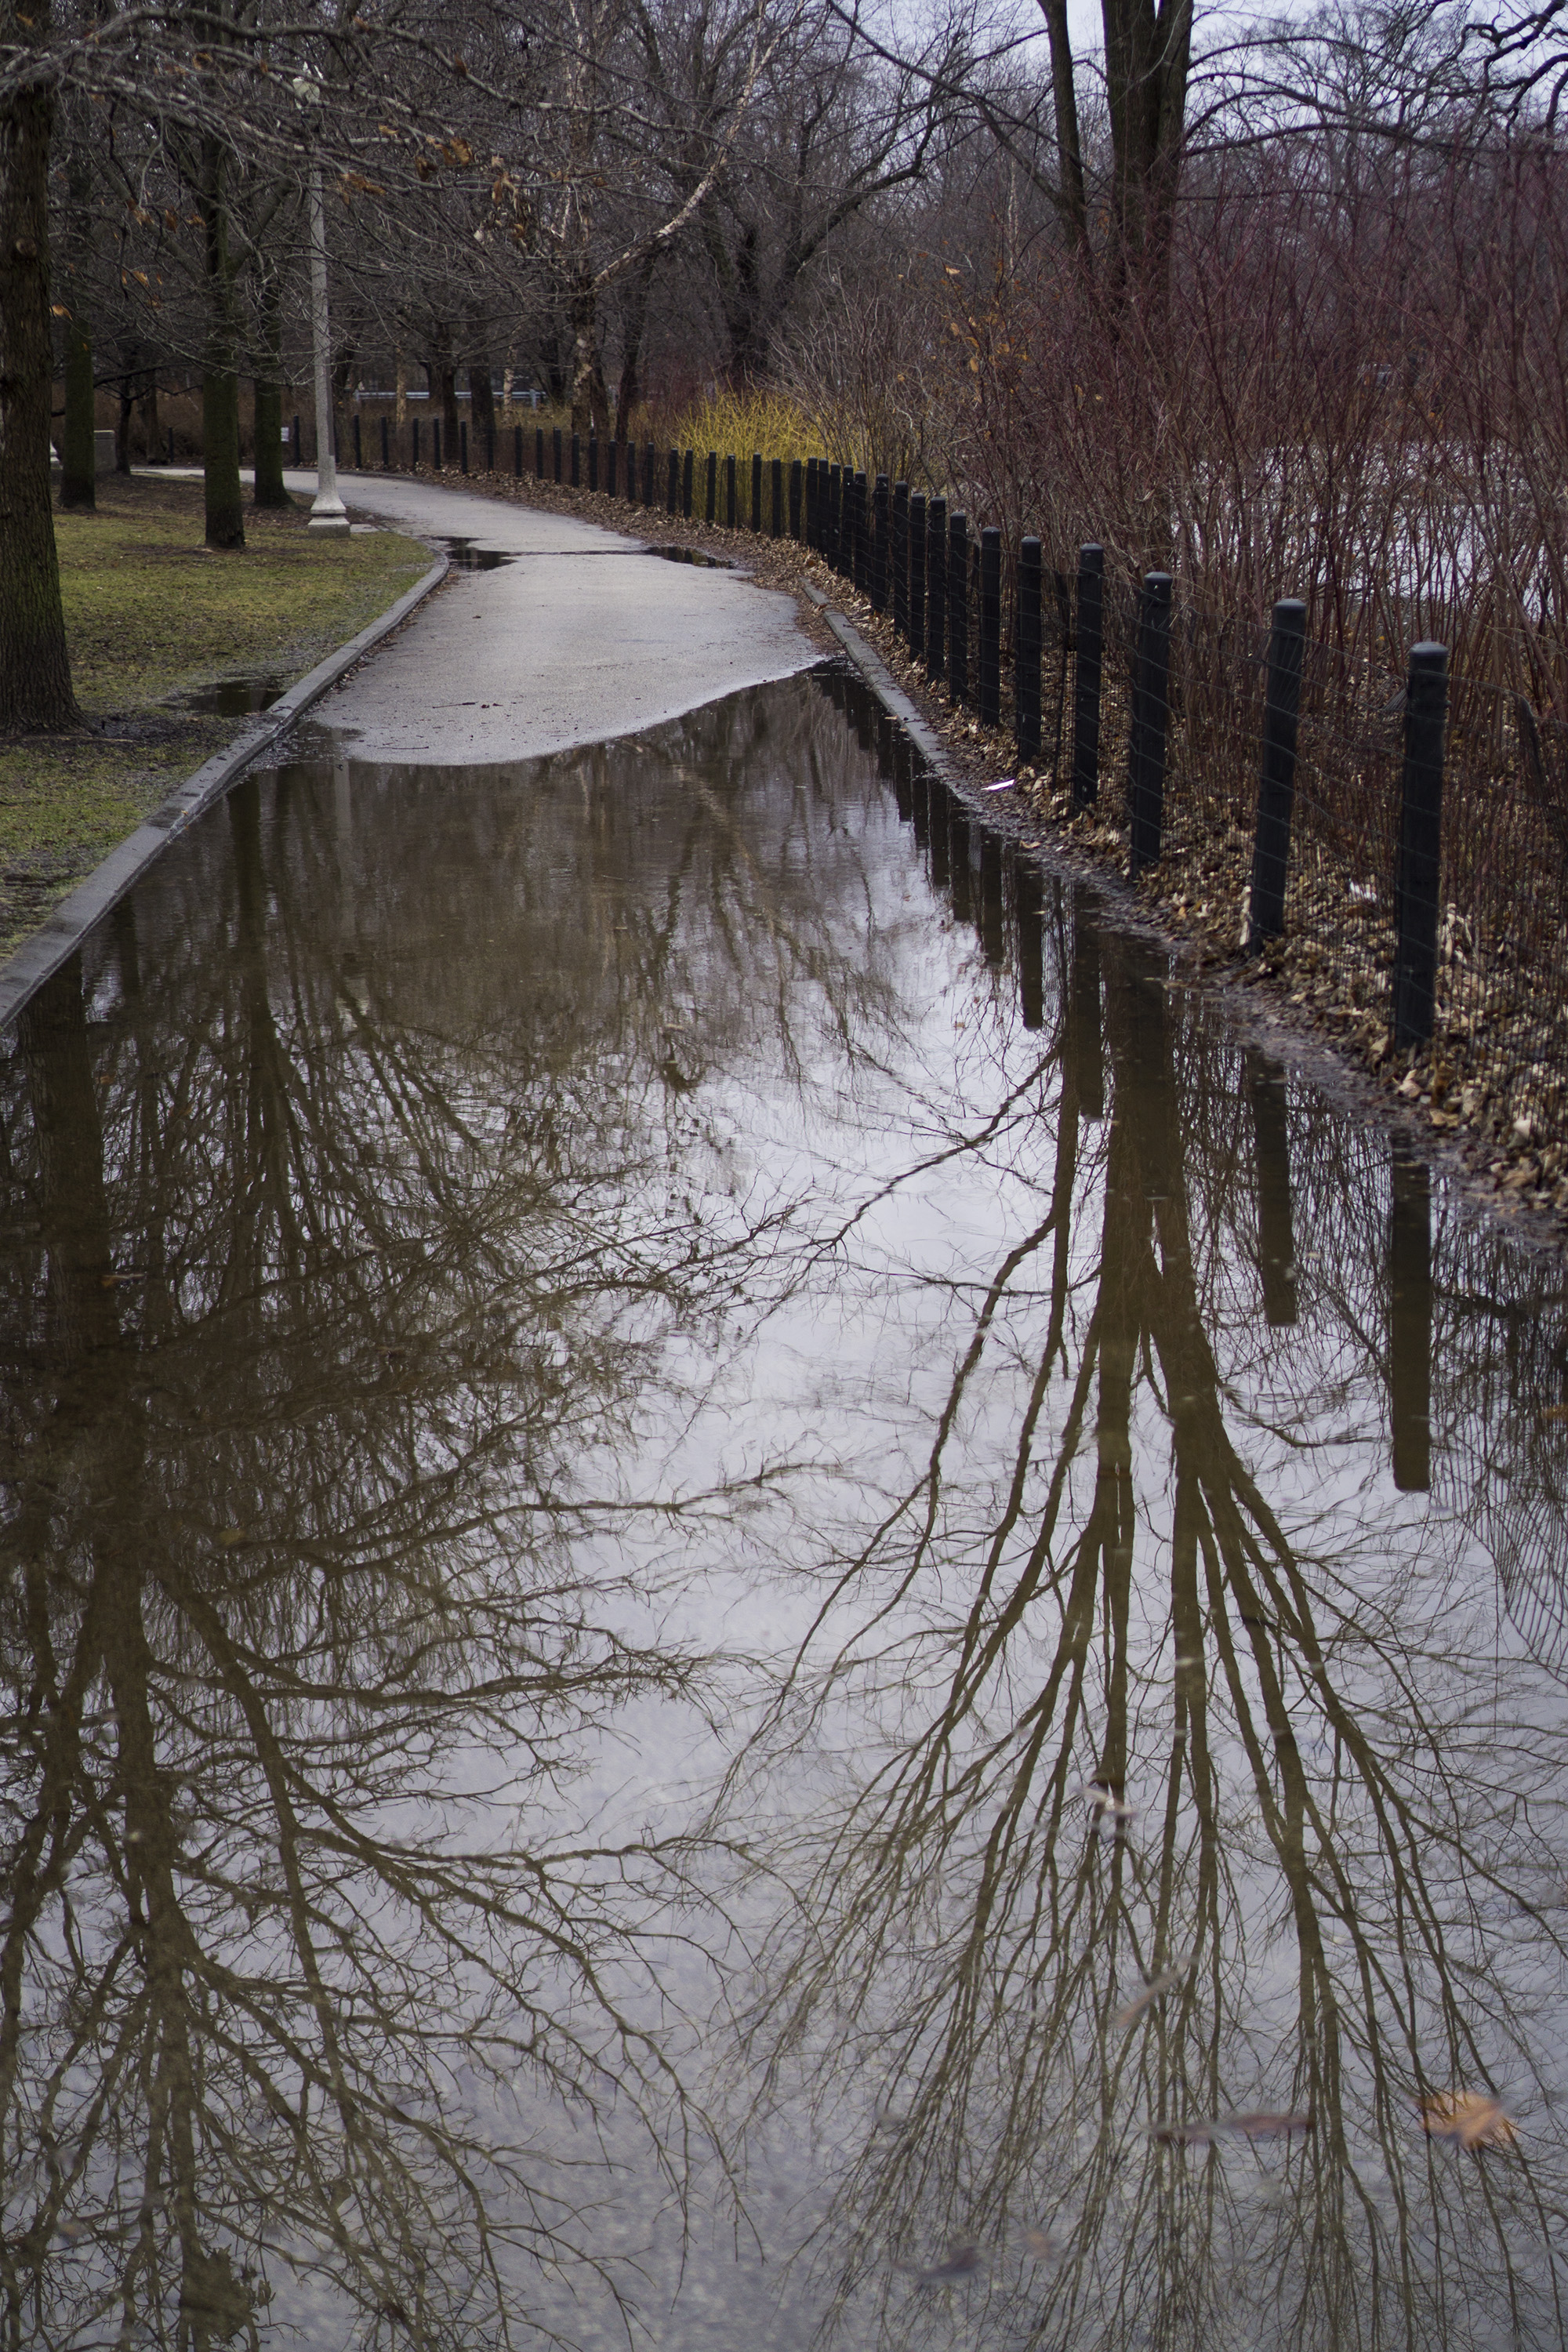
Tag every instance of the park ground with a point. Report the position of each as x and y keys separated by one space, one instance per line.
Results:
x=155 y=619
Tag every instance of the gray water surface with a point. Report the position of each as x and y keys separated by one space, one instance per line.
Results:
x=749 y=1598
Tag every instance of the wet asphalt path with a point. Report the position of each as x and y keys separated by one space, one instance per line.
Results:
x=571 y=636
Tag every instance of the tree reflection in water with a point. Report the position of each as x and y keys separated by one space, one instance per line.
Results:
x=504 y=1270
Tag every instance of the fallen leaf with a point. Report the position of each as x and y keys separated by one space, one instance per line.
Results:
x=1268 y=2126
x=1469 y=2117
x=960 y=2261
x=1150 y=1993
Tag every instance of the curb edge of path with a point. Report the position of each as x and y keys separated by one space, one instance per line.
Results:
x=883 y=685
x=41 y=956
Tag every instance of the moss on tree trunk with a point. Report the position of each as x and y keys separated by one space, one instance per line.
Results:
x=35 y=670
x=79 y=455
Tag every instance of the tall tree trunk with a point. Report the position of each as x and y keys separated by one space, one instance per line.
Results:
x=590 y=395
x=1072 y=204
x=152 y=434
x=269 y=396
x=220 y=380
x=482 y=408
x=127 y=409
x=35 y=667
x=634 y=322
x=79 y=450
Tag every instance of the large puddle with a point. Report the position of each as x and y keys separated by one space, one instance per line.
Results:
x=748 y=1596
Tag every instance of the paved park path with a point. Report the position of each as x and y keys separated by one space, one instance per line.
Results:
x=582 y=634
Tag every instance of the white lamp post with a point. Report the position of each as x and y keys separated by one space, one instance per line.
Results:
x=328 y=516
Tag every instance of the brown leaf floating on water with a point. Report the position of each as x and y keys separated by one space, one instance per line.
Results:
x=1471 y=2118
x=1131 y=2010
x=1268 y=2125
x=960 y=2261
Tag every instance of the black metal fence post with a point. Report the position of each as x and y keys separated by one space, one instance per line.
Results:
x=489 y=448
x=902 y=558
x=576 y=461
x=385 y=459
x=539 y=452
x=462 y=444
x=517 y=451
x=917 y=589
x=1419 y=877
x=990 y=696
x=958 y=605
x=436 y=444
x=936 y=588
x=862 y=535
x=649 y=474
x=293 y=442
x=880 y=496
x=1277 y=774
x=555 y=449
x=835 y=491
x=756 y=516
x=777 y=516
x=687 y=469
x=415 y=437
x=1027 y=650
x=811 y=502
x=1150 y=717
x=672 y=483
x=359 y=460
x=612 y=460
x=593 y=461
x=1086 y=677
x=729 y=492
x=710 y=485
x=795 y=488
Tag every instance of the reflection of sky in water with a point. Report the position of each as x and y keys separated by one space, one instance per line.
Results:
x=613 y=1416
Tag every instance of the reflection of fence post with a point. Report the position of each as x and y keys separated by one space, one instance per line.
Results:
x=880 y=518
x=1028 y=903
x=1150 y=717
x=1086 y=677
x=1027 y=650
x=795 y=486
x=1086 y=1035
x=936 y=589
x=990 y=627
x=902 y=558
x=958 y=605
x=1276 y=777
x=1420 y=846
x=1271 y=1152
x=917 y=575
x=1410 y=1322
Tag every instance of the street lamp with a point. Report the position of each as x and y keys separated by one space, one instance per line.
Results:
x=328 y=516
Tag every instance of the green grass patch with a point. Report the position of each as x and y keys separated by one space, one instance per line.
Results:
x=153 y=616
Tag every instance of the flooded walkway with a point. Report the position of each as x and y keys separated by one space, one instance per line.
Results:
x=750 y=1597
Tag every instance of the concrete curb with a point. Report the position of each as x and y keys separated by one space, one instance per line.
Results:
x=40 y=957
x=883 y=684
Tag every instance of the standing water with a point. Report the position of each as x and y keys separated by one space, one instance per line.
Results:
x=750 y=1597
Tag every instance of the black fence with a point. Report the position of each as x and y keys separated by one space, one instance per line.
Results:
x=1392 y=838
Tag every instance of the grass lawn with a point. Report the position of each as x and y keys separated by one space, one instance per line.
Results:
x=153 y=617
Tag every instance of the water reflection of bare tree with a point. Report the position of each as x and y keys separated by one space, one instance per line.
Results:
x=341 y=1284
x=1199 y=1795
